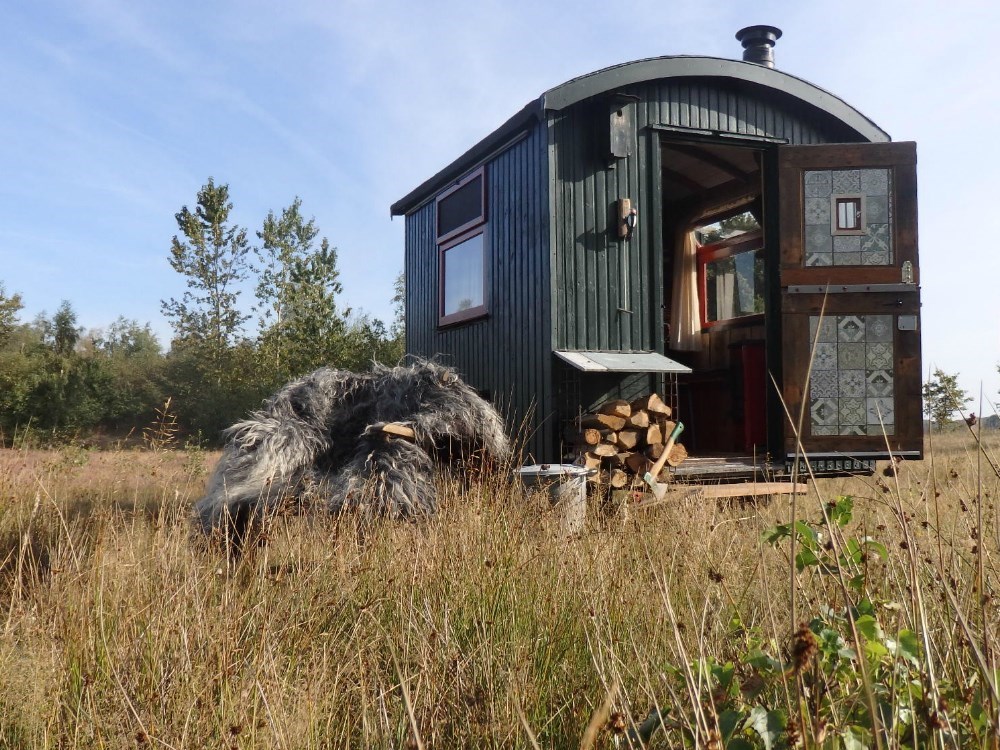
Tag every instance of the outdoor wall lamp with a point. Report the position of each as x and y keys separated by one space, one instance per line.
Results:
x=628 y=217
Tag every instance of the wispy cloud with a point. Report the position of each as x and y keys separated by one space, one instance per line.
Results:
x=352 y=103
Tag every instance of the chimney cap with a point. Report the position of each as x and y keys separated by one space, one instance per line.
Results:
x=758 y=43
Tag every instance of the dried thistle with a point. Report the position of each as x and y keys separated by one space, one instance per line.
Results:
x=804 y=648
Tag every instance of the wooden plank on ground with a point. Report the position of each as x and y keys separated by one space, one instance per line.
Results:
x=685 y=492
x=752 y=489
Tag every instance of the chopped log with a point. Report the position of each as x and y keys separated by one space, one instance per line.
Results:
x=598 y=477
x=605 y=450
x=638 y=463
x=589 y=436
x=653 y=404
x=639 y=418
x=620 y=459
x=610 y=437
x=628 y=439
x=616 y=408
x=602 y=421
x=677 y=455
x=618 y=478
x=655 y=435
x=591 y=460
x=654 y=451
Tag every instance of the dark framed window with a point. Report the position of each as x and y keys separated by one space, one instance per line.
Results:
x=462 y=264
x=462 y=250
x=731 y=280
x=462 y=206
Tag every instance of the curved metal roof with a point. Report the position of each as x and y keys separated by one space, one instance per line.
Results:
x=683 y=66
x=641 y=71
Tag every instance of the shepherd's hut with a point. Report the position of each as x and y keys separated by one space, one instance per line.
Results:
x=717 y=231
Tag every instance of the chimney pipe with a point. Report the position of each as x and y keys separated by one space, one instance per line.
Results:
x=758 y=44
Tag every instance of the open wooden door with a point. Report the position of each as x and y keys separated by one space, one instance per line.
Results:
x=850 y=300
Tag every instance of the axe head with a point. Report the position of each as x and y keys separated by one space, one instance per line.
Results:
x=658 y=490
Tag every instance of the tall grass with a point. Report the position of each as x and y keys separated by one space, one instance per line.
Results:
x=485 y=627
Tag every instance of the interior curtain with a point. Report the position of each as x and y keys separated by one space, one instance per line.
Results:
x=685 y=312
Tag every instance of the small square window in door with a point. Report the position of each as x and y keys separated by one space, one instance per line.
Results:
x=847 y=215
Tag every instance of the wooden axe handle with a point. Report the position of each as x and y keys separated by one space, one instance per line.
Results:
x=658 y=466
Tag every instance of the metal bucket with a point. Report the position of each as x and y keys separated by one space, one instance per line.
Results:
x=567 y=488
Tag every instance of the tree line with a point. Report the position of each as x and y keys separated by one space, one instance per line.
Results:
x=226 y=353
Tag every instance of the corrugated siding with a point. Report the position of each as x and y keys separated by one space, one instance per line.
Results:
x=506 y=354
x=586 y=252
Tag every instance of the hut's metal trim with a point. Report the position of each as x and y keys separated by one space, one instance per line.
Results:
x=495 y=143
x=683 y=66
x=621 y=362
x=716 y=136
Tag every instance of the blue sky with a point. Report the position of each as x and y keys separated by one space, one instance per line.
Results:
x=115 y=114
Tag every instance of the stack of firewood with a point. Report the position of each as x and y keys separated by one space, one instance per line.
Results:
x=623 y=440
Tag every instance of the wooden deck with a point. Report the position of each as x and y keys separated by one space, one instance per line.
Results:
x=723 y=468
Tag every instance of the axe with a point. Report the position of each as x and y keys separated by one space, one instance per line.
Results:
x=659 y=490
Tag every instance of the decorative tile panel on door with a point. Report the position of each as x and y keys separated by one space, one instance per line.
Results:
x=851 y=385
x=838 y=239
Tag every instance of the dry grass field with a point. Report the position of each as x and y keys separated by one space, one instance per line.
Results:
x=486 y=628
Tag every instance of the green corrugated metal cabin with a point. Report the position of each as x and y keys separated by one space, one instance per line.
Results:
x=699 y=227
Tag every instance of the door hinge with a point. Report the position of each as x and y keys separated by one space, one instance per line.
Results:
x=847 y=288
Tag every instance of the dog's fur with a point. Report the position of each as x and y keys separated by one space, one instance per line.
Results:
x=320 y=439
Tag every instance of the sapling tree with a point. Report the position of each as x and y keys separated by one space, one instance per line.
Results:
x=301 y=325
x=943 y=397
x=209 y=367
x=210 y=253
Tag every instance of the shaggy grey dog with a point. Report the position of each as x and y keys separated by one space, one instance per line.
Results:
x=319 y=440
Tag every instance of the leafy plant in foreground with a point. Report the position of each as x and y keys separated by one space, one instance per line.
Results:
x=842 y=663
